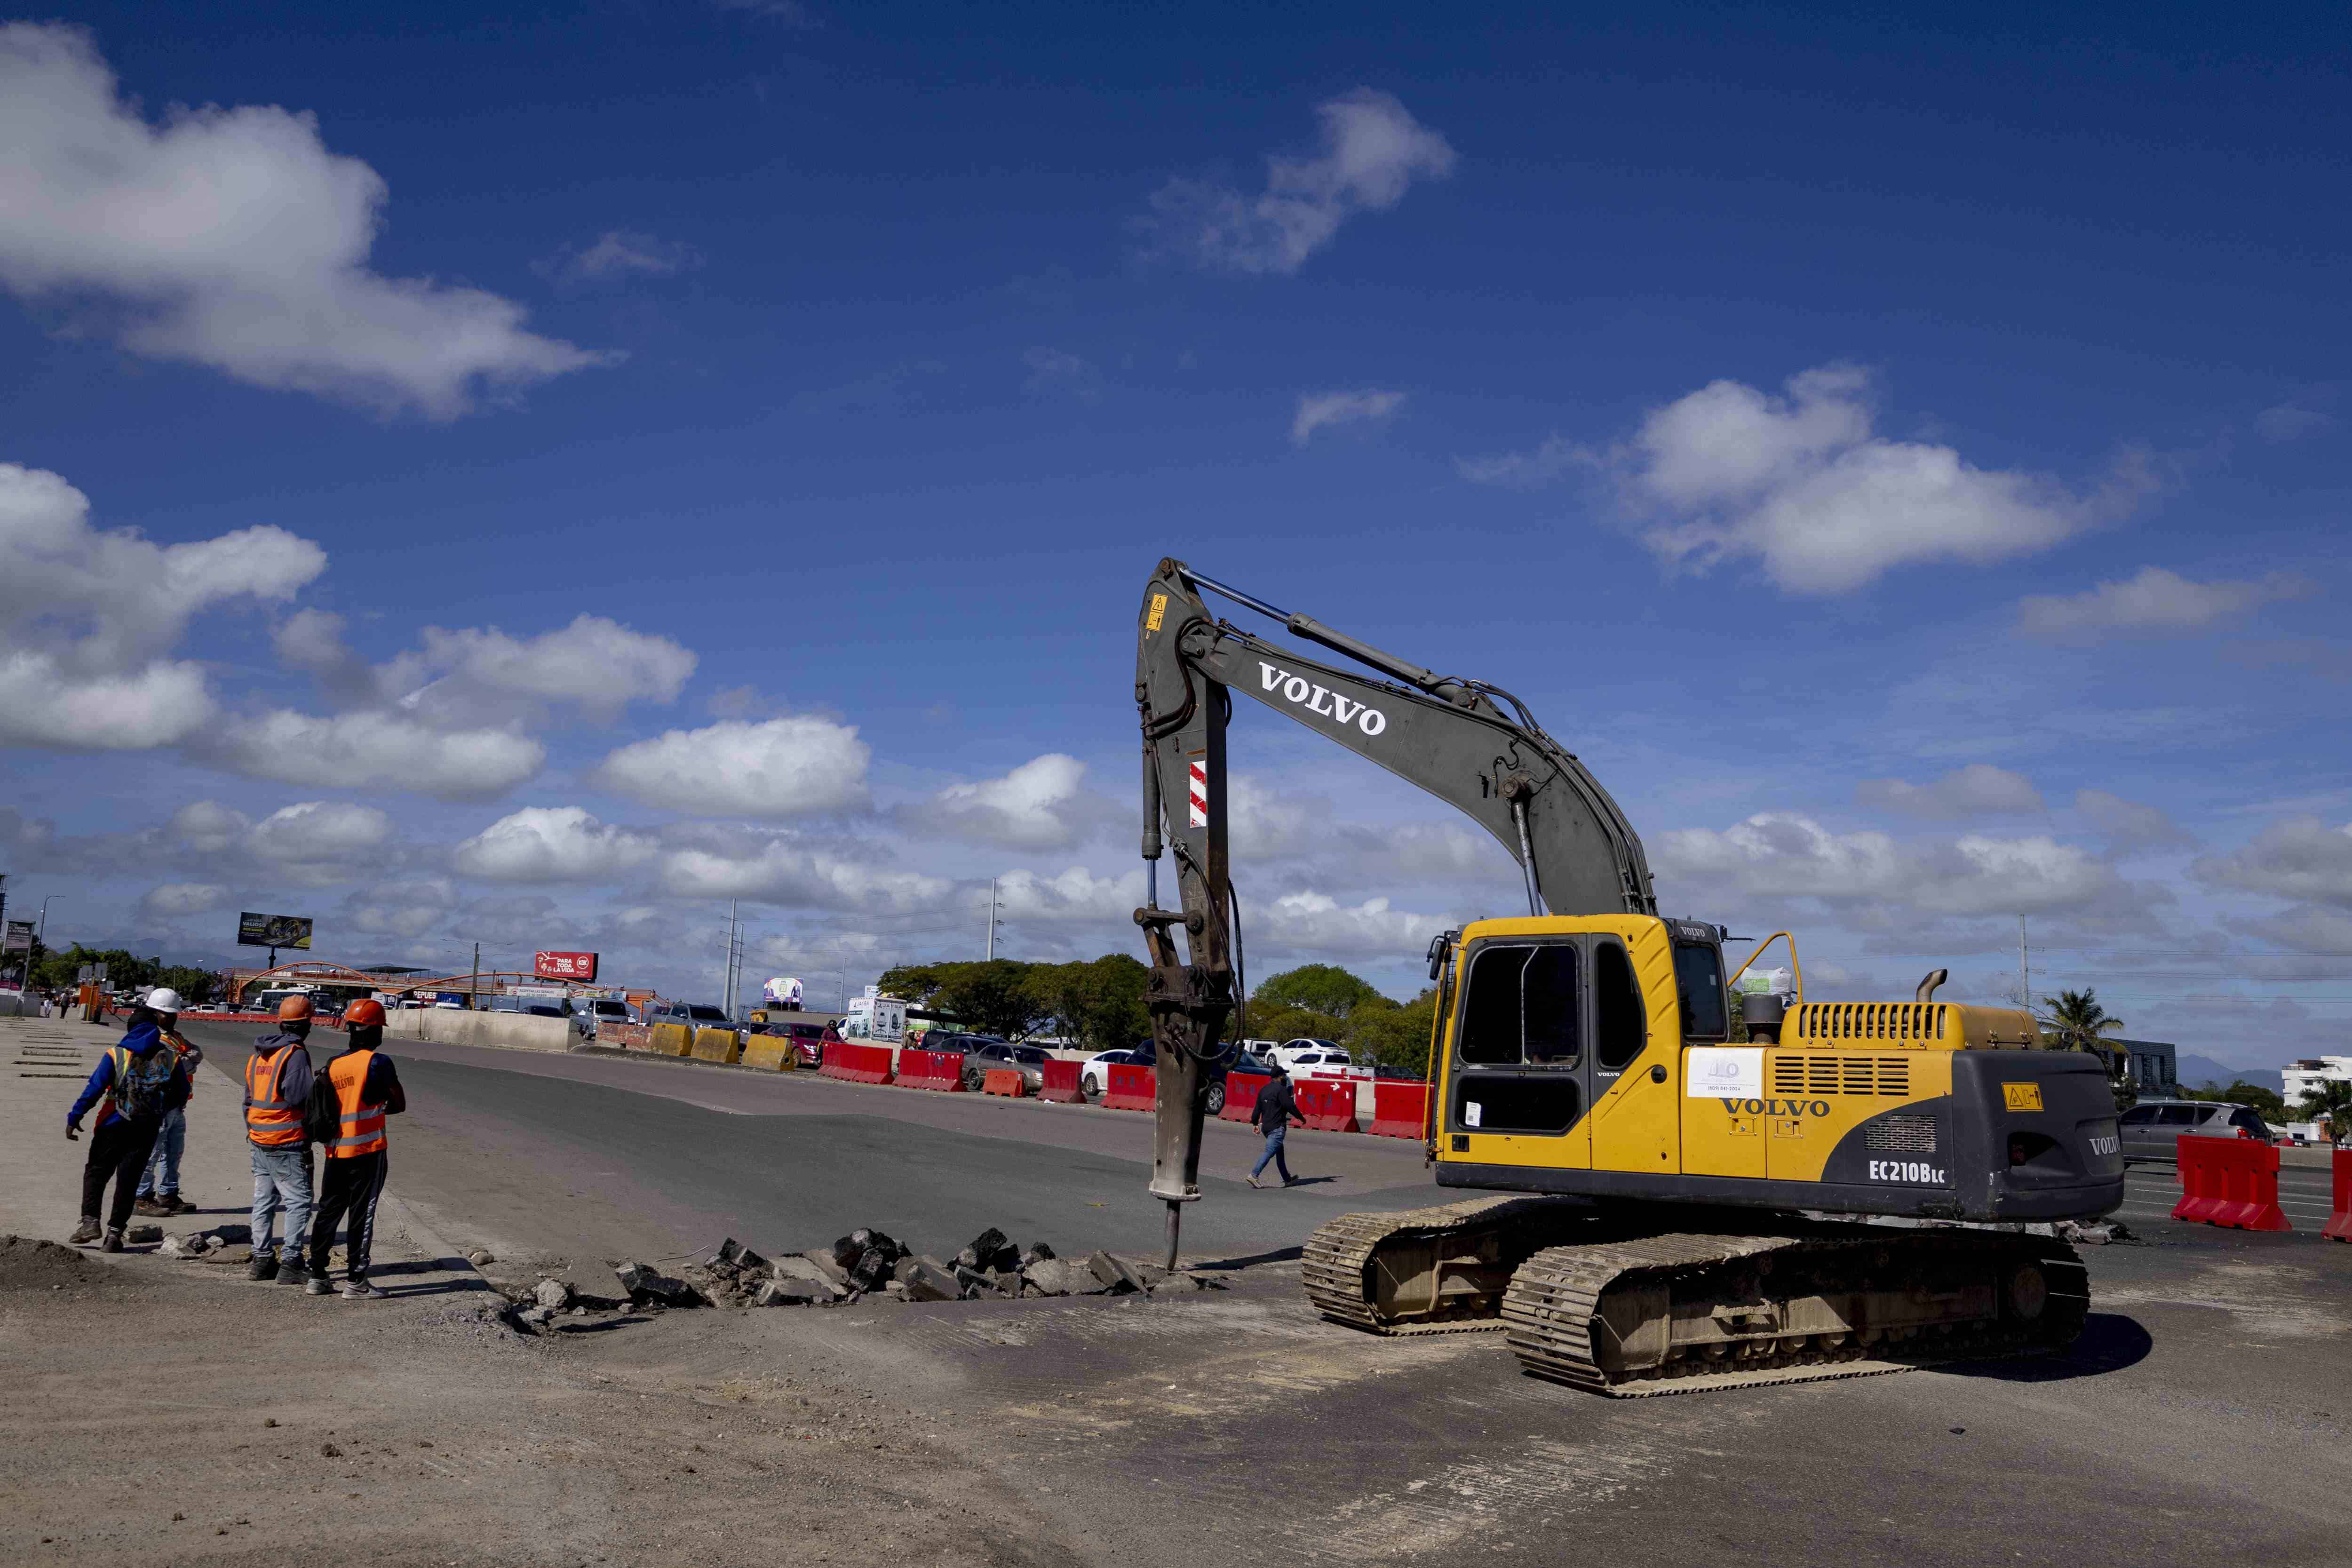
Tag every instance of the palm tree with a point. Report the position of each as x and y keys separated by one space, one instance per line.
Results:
x=2074 y=1021
x=2330 y=1100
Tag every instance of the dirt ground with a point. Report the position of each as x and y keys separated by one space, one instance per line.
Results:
x=176 y=1413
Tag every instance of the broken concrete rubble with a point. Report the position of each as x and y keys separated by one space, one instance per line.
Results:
x=737 y=1275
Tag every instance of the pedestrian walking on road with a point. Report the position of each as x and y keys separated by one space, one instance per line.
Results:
x=159 y=1187
x=131 y=1087
x=365 y=1090
x=276 y=1090
x=1275 y=1109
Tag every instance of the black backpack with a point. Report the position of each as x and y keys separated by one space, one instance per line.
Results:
x=323 y=1113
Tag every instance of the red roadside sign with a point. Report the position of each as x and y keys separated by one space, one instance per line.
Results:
x=564 y=965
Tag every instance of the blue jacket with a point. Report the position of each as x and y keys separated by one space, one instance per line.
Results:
x=142 y=1038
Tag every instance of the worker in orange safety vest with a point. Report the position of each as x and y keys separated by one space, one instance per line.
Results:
x=277 y=1087
x=364 y=1088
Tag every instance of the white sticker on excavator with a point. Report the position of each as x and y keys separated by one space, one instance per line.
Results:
x=1470 y=1111
x=1725 y=1072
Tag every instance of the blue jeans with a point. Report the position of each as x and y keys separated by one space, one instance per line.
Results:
x=163 y=1165
x=281 y=1177
x=1274 y=1136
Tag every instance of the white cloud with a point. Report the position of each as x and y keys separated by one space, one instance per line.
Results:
x=353 y=751
x=319 y=830
x=2289 y=423
x=1781 y=855
x=1321 y=409
x=2301 y=858
x=172 y=900
x=785 y=767
x=2153 y=600
x=89 y=617
x=1041 y=805
x=596 y=663
x=1372 y=151
x=617 y=253
x=552 y=844
x=779 y=871
x=1800 y=483
x=207 y=826
x=407 y=908
x=1528 y=470
x=1317 y=922
x=2128 y=824
x=1978 y=790
x=1073 y=897
x=233 y=238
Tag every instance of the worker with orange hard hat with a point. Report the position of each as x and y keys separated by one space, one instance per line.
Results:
x=365 y=1089
x=277 y=1088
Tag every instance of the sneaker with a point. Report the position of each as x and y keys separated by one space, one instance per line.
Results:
x=86 y=1232
x=149 y=1206
x=293 y=1273
x=114 y=1242
x=263 y=1267
x=316 y=1285
x=361 y=1290
x=172 y=1203
x=1251 y=1180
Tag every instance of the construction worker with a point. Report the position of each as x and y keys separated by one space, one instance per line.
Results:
x=277 y=1088
x=159 y=1187
x=365 y=1089
x=132 y=1084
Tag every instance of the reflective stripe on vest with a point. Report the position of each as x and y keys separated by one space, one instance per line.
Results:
x=271 y=1122
x=362 y=1132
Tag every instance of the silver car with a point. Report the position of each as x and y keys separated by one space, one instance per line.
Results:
x=2150 y=1129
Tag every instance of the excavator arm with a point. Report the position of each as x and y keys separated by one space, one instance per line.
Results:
x=1470 y=743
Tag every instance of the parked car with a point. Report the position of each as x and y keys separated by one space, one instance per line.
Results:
x=1030 y=1060
x=1237 y=1058
x=807 y=1031
x=958 y=1041
x=1318 y=1058
x=2149 y=1129
x=1094 y=1073
x=693 y=1015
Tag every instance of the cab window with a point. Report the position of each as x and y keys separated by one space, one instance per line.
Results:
x=1617 y=1013
x=1698 y=979
x=2140 y=1116
x=1521 y=1006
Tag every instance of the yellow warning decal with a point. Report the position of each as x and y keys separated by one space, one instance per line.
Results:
x=1159 y=609
x=2022 y=1096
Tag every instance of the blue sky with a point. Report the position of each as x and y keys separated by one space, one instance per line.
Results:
x=1908 y=465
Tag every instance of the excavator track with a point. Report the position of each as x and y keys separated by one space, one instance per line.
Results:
x=1450 y=1265
x=1691 y=1313
x=1632 y=1314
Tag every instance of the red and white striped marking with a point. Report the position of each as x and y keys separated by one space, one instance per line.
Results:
x=1200 y=794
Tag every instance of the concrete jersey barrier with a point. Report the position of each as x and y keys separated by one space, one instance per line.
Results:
x=506 y=1031
x=721 y=1045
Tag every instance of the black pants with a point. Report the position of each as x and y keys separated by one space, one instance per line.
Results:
x=118 y=1149
x=347 y=1186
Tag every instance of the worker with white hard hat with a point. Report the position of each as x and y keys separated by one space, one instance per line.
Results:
x=134 y=1083
x=159 y=1188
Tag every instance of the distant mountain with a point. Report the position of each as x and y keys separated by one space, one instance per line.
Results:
x=2196 y=1072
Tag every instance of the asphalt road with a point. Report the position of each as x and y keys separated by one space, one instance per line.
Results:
x=2202 y=1418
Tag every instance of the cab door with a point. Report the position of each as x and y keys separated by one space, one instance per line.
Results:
x=1521 y=1083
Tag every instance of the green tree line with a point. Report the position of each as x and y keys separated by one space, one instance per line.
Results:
x=1099 y=1004
x=55 y=971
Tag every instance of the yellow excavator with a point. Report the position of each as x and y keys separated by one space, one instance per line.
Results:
x=1667 y=1171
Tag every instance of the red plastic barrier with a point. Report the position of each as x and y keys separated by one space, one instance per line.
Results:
x=2339 y=1217
x=1061 y=1083
x=1329 y=1105
x=2228 y=1182
x=854 y=1063
x=941 y=1070
x=1129 y=1088
x=1399 y=1110
x=1006 y=1081
x=1242 y=1089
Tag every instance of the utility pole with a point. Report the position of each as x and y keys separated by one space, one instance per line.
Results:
x=726 y=985
x=473 y=987
x=2024 y=975
x=992 y=918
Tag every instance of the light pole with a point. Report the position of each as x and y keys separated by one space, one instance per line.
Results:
x=41 y=930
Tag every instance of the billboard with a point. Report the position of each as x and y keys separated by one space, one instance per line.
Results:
x=781 y=992
x=19 y=938
x=563 y=966
x=272 y=931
